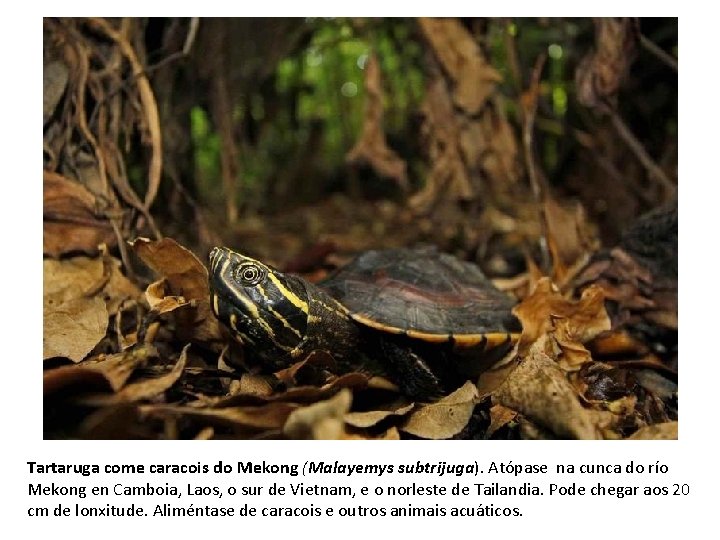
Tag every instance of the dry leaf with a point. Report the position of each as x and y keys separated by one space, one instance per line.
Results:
x=118 y=288
x=391 y=434
x=69 y=279
x=205 y=434
x=539 y=389
x=110 y=371
x=569 y=238
x=75 y=312
x=371 y=418
x=72 y=329
x=570 y=323
x=70 y=221
x=264 y=417
x=657 y=432
x=302 y=394
x=140 y=390
x=444 y=418
x=185 y=277
x=321 y=420
x=306 y=370
x=499 y=417
x=462 y=59
x=251 y=385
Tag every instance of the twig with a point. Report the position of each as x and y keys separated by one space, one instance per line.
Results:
x=189 y=40
x=661 y=55
x=529 y=101
x=653 y=169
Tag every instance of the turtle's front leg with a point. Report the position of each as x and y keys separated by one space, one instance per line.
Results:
x=411 y=373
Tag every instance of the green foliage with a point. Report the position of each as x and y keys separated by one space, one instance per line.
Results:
x=312 y=112
x=206 y=145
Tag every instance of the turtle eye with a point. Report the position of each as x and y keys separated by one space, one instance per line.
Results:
x=249 y=274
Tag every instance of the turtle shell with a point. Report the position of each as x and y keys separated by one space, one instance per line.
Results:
x=424 y=294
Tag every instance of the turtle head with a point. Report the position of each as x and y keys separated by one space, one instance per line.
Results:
x=265 y=309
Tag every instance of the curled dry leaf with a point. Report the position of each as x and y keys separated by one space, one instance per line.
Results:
x=70 y=220
x=160 y=301
x=444 y=418
x=111 y=371
x=321 y=420
x=140 y=390
x=570 y=323
x=539 y=389
x=305 y=371
x=187 y=277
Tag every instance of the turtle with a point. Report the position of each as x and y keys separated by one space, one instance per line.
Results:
x=422 y=317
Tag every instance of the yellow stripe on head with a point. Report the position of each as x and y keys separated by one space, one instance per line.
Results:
x=287 y=293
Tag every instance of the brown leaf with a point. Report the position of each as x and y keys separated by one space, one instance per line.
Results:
x=499 y=417
x=77 y=277
x=570 y=323
x=601 y=73
x=372 y=147
x=72 y=329
x=391 y=434
x=118 y=288
x=444 y=418
x=371 y=418
x=539 y=389
x=70 y=279
x=251 y=385
x=143 y=389
x=569 y=238
x=321 y=420
x=305 y=371
x=271 y=416
x=110 y=371
x=160 y=301
x=187 y=277
x=301 y=394
x=462 y=59
x=657 y=432
x=79 y=295
x=70 y=221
